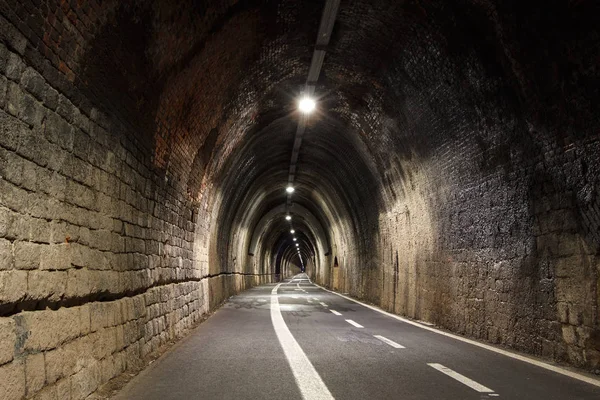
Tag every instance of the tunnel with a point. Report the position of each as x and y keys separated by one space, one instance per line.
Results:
x=165 y=164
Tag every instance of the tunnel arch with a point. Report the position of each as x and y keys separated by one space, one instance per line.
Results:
x=295 y=210
x=452 y=166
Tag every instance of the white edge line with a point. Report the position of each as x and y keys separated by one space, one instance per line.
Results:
x=354 y=323
x=389 y=342
x=541 y=364
x=476 y=386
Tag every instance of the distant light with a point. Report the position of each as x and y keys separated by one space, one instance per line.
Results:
x=297 y=245
x=292 y=231
x=289 y=189
x=288 y=217
x=307 y=105
x=295 y=239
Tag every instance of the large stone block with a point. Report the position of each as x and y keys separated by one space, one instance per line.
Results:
x=78 y=283
x=85 y=319
x=13 y=285
x=49 y=285
x=35 y=373
x=57 y=256
x=3 y=89
x=6 y=257
x=7 y=340
x=27 y=255
x=11 y=131
x=68 y=359
x=49 y=329
x=12 y=381
x=34 y=83
x=14 y=66
x=569 y=335
x=85 y=381
x=24 y=106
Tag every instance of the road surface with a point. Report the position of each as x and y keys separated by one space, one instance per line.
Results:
x=296 y=340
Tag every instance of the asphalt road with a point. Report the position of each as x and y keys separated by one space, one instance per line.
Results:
x=296 y=340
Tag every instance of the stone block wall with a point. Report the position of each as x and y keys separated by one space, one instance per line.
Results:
x=485 y=216
x=70 y=352
x=103 y=254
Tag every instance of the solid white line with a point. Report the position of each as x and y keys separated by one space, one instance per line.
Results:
x=541 y=364
x=390 y=342
x=323 y=304
x=354 y=323
x=461 y=378
x=307 y=378
x=335 y=312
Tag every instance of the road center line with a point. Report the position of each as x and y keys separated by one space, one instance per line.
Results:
x=335 y=312
x=354 y=323
x=461 y=378
x=390 y=342
x=307 y=378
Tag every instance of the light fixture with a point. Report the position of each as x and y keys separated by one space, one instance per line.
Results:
x=289 y=189
x=292 y=231
x=306 y=105
x=295 y=239
x=288 y=217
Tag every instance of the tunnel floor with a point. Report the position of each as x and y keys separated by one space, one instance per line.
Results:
x=355 y=352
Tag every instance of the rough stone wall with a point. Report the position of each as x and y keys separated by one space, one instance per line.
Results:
x=452 y=163
x=488 y=224
x=103 y=252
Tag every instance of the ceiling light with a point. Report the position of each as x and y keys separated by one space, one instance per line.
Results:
x=289 y=189
x=288 y=217
x=292 y=231
x=307 y=105
x=295 y=239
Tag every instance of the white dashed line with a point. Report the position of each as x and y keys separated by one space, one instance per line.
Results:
x=315 y=299
x=354 y=323
x=324 y=304
x=390 y=342
x=520 y=357
x=335 y=312
x=309 y=382
x=461 y=378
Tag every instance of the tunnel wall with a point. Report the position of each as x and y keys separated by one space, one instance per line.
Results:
x=452 y=162
x=104 y=253
x=487 y=163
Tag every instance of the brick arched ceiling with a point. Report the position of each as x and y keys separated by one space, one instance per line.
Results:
x=412 y=94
